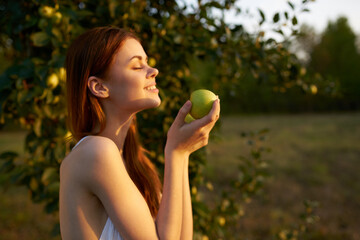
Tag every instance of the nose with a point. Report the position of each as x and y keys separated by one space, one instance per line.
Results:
x=153 y=72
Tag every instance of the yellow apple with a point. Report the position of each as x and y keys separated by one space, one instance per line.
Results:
x=152 y=62
x=56 y=17
x=202 y=101
x=62 y=74
x=52 y=81
x=46 y=11
x=313 y=89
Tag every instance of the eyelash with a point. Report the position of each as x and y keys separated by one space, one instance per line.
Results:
x=135 y=68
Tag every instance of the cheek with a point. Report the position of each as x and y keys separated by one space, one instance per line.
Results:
x=127 y=89
x=133 y=81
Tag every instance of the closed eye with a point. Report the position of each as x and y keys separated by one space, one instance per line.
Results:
x=140 y=59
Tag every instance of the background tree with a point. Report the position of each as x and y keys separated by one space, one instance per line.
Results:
x=305 y=42
x=337 y=57
x=36 y=34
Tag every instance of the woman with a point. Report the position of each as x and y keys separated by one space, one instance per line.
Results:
x=108 y=187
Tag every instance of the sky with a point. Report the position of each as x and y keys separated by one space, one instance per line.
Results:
x=321 y=12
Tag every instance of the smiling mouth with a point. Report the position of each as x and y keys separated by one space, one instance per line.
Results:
x=151 y=87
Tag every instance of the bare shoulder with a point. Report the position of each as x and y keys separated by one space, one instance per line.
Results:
x=90 y=156
x=91 y=148
x=81 y=176
x=96 y=167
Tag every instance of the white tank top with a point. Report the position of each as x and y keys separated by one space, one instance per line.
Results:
x=109 y=232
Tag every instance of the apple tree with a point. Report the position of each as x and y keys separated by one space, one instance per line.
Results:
x=179 y=40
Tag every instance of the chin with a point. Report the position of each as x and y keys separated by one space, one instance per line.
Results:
x=156 y=102
x=148 y=103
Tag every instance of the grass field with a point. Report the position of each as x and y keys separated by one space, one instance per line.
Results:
x=314 y=156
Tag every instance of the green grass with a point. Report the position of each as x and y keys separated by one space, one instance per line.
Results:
x=314 y=156
x=20 y=218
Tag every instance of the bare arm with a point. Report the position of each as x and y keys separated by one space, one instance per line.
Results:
x=183 y=139
x=187 y=221
x=169 y=217
x=108 y=180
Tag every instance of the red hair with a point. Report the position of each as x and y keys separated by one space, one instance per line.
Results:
x=91 y=54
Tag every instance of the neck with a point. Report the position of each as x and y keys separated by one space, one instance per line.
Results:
x=116 y=129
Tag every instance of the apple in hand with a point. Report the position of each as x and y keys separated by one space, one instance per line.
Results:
x=202 y=101
x=189 y=118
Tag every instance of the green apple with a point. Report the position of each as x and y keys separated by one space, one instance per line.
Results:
x=202 y=101
x=189 y=118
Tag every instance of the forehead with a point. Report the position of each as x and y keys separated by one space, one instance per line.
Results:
x=130 y=48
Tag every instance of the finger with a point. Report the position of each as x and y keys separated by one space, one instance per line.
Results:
x=211 y=117
x=184 y=110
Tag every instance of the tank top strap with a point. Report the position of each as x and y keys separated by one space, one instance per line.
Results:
x=79 y=142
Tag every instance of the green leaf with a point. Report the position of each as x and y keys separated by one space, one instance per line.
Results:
x=286 y=15
x=214 y=4
x=262 y=16
x=52 y=206
x=276 y=17
x=279 y=31
x=291 y=5
x=8 y=155
x=49 y=175
x=5 y=83
x=40 y=39
x=294 y=20
x=37 y=127
x=113 y=5
x=6 y=166
x=54 y=187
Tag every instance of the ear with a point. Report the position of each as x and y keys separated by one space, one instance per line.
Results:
x=97 y=87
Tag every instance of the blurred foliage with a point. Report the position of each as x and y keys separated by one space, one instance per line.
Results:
x=337 y=56
x=329 y=75
x=221 y=222
x=303 y=229
x=179 y=40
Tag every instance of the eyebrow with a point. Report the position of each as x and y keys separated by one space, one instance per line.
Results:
x=138 y=57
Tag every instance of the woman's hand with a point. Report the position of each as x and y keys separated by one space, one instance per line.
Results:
x=186 y=138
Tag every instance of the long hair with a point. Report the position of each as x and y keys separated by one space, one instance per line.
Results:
x=91 y=54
